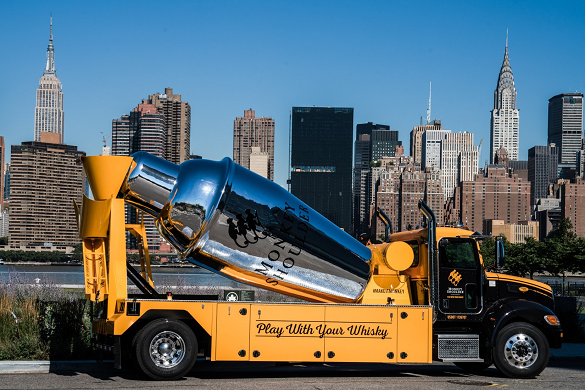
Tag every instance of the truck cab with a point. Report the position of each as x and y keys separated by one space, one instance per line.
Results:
x=480 y=317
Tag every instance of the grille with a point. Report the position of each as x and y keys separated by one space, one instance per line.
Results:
x=458 y=347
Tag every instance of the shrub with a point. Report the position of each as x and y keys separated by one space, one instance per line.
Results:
x=41 y=322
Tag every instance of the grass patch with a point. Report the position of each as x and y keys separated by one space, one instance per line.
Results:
x=47 y=322
x=42 y=322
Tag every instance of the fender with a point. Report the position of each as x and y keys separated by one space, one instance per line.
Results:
x=504 y=312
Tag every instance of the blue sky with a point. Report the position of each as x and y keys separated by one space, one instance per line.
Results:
x=227 y=56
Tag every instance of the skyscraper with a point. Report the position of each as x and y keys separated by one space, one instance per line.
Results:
x=387 y=198
x=177 y=124
x=4 y=223
x=581 y=161
x=431 y=148
x=321 y=161
x=416 y=136
x=505 y=116
x=494 y=195
x=6 y=182
x=2 y=157
x=412 y=190
x=384 y=143
x=259 y=161
x=401 y=186
x=121 y=139
x=383 y=140
x=373 y=142
x=45 y=178
x=251 y=132
x=459 y=161
x=573 y=205
x=565 y=126
x=144 y=129
x=542 y=170
x=361 y=183
x=49 y=115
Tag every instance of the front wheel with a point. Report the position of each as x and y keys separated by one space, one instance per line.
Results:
x=165 y=349
x=521 y=351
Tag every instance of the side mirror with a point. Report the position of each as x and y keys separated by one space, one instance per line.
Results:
x=500 y=254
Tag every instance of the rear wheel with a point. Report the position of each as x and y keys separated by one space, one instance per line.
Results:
x=521 y=351
x=165 y=349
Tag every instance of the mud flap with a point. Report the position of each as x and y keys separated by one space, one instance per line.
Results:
x=118 y=352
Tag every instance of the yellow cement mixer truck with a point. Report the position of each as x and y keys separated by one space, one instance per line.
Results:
x=421 y=296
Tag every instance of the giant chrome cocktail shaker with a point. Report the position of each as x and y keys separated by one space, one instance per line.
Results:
x=232 y=221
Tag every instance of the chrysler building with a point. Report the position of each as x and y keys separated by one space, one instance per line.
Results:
x=505 y=115
x=49 y=114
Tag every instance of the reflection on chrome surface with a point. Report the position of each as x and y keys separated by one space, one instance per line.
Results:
x=150 y=183
x=245 y=227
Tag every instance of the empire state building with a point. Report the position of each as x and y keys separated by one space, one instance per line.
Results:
x=505 y=115
x=49 y=115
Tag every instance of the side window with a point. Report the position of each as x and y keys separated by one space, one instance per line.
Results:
x=457 y=254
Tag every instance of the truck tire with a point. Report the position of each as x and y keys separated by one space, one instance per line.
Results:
x=165 y=349
x=521 y=351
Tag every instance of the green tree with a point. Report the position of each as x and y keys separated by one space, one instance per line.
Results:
x=133 y=258
x=488 y=252
x=560 y=249
x=528 y=258
x=77 y=254
x=579 y=249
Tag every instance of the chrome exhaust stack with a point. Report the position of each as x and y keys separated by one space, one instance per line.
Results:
x=232 y=221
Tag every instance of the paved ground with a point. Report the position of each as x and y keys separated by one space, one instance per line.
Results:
x=566 y=370
x=229 y=376
x=569 y=352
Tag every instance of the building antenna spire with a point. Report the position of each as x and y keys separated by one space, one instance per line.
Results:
x=50 y=68
x=429 y=107
x=506 y=38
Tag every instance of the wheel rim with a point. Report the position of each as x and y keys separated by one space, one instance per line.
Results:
x=521 y=351
x=167 y=349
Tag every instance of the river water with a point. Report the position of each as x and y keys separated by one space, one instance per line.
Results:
x=73 y=276
x=163 y=276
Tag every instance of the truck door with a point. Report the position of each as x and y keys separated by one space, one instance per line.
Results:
x=460 y=283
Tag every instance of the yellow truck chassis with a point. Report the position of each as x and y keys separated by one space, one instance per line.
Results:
x=428 y=298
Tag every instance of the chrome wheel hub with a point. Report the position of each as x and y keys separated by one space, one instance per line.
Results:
x=167 y=349
x=521 y=351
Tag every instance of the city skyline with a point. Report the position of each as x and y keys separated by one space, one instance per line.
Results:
x=369 y=57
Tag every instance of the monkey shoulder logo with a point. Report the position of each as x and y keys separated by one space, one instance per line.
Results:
x=455 y=292
x=244 y=230
x=455 y=277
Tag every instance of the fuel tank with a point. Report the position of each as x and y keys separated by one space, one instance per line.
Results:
x=232 y=221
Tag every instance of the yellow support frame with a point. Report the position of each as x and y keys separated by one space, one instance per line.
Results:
x=139 y=231
x=95 y=269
